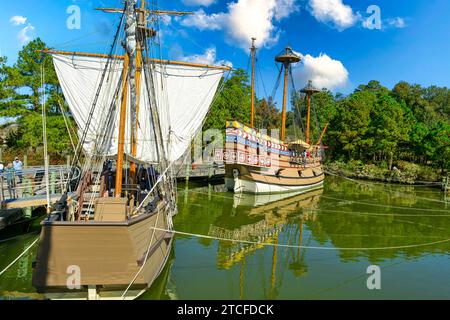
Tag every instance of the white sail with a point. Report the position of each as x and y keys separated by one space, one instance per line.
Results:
x=183 y=97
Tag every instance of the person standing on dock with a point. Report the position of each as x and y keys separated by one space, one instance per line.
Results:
x=11 y=179
x=2 y=167
x=18 y=167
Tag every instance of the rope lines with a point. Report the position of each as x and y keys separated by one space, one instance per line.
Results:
x=266 y=244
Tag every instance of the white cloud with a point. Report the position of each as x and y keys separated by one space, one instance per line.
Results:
x=324 y=72
x=166 y=19
x=203 y=21
x=204 y=3
x=24 y=35
x=398 y=22
x=335 y=12
x=208 y=58
x=246 y=19
x=18 y=20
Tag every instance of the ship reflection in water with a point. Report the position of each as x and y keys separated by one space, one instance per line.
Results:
x=272 y=213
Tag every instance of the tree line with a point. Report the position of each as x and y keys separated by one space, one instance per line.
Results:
x=21 y=95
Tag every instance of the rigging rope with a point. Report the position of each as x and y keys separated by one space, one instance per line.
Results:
x=44 y=135
x=20 y=256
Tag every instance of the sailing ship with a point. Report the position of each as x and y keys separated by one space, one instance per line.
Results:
x=110 y=237
x=260 y=164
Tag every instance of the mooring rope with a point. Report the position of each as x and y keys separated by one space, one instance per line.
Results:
x=20 y=256
x=265 y=244
x=349 y=200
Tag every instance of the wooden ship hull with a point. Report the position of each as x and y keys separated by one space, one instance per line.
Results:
x=107 y=254
x=258 y=164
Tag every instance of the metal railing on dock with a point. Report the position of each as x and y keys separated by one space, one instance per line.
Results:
x=27 y=188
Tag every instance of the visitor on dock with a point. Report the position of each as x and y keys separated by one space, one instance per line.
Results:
x=18 y=167
x=2 y=167
x=11 y=179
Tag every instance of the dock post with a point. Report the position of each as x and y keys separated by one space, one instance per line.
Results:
x=187 y=171
x=27 y=191
x=211 y=172
x=25 y=161
x=186 y=192
x=3 y=191
x=53 y=183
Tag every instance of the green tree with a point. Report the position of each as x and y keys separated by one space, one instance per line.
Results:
x=348 y=135
x=25 y=77
x=439 y=145
x=388 y=128
x=233 y=102
x=267 y=115
x=21 y=97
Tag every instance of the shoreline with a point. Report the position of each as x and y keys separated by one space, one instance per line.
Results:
x=364 y=173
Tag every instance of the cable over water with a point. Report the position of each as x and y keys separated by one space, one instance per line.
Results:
x=266 y=244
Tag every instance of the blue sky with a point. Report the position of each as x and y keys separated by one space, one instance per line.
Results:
x=412 y=44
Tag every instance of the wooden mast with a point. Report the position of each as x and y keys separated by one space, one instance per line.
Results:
x=285 y=93
x=141 y=20
x=308 y=120
x=309 y=90
x=286 y=58
x=253 y=53
x=123 y=118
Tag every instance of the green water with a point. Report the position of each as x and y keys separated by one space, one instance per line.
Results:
x=406 y=225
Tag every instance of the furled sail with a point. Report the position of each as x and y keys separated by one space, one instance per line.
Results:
x=183 y=97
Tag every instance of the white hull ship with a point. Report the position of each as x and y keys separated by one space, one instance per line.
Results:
x=259 y=164
x=110 y=237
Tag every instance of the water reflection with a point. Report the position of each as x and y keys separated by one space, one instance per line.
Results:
x=381 y=223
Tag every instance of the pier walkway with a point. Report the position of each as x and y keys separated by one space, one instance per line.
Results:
x=28 y=188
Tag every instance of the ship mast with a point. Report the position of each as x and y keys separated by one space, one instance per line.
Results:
x=286 y=58
x=309 y=90
x=253 y=54
x=136 y=31
x=141 y=25
x=123 y=117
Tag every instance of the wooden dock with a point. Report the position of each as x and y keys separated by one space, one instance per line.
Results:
x=200 y=172
x=27 y=202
